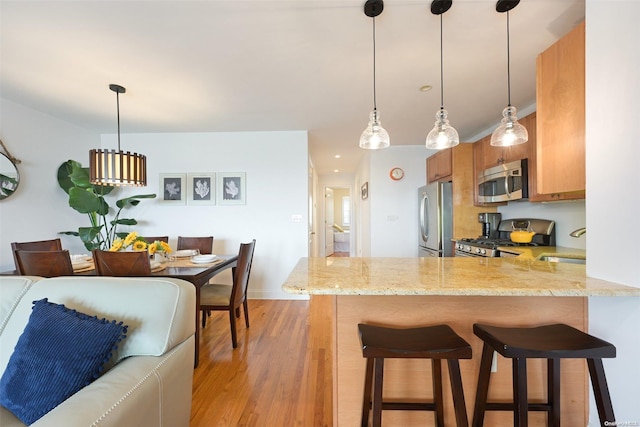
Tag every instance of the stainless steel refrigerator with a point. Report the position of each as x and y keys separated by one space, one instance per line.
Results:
x=435 y=220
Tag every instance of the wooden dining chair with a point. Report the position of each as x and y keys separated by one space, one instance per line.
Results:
x=159 y=239
x=38 y=245
x=43 y=263
x=203 y=244
x=215 y=297
x=123 y=264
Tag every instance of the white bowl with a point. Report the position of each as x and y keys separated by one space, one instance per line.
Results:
x=203 y=259
x=184 y=253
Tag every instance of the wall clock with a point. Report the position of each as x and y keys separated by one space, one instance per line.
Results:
x=396 y=174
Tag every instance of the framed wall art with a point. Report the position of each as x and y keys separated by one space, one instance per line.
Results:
x=232 y=188
x=364 y=190
x=201 y=188
x=172 y=188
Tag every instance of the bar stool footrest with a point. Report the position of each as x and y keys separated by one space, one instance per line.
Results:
x=507 y=406
x=407 y=406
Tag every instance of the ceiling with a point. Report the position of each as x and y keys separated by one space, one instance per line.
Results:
x=273 y=65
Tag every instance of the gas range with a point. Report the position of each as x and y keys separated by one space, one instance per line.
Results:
x=485 y=247
x=488 y=246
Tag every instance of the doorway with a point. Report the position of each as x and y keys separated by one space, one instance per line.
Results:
x=338 y=221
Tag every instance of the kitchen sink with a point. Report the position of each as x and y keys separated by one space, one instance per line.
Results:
x=559 y=258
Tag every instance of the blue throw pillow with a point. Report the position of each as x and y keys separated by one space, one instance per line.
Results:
x=59 y=352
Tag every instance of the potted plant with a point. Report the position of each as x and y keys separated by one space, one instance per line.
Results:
x=89 y=199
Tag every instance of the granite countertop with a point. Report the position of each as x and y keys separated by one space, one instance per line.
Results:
x=536 y=252
x=514 y=276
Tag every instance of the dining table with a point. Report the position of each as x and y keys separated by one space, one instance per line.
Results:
x=199 y=275
x=183 y=268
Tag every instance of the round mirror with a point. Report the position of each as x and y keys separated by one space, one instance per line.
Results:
x=9 y=177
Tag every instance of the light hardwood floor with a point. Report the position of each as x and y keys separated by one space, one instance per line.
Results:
x=280 y=374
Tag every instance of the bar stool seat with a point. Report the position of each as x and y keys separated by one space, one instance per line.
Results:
x=551 y=342
x=432 y=342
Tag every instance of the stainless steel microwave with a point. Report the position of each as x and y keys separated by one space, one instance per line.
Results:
x=504 y=183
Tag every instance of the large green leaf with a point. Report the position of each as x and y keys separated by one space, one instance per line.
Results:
x=103 y=208
x=80 y=176
x=87 y=234
x=133 y=200
x=84 y=201
x=124 y=221
x=64 y=172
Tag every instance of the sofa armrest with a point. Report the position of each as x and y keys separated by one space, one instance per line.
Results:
x=153 y=391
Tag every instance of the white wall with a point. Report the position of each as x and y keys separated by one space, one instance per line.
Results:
x=275 y=164
x=363 y=208
x=38 y=210
x=613 y=189
x=394 y=204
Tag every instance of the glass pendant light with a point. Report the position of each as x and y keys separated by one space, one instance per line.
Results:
x=119 y=168
x=374 y=136
x=510 y=132
x=443 y=135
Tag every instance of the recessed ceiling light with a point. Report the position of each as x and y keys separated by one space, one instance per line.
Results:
x=337 y=156
x=336 y=170
x=425 y=88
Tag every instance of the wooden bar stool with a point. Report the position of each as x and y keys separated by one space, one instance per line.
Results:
x=551 y=342
x=431 y=342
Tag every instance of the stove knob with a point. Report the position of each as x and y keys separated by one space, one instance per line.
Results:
x=483 y=252
x=477 y=250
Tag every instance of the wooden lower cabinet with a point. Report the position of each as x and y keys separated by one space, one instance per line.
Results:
x=412 y=378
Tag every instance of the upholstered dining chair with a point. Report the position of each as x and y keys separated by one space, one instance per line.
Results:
x=125 y=263
x=43 y=263
x=215 y=297
x=38 y=245
x=203 y=244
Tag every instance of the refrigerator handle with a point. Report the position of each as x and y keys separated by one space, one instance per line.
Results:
x=424 y=218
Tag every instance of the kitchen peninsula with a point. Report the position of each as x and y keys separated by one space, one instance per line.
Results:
x=402 y=292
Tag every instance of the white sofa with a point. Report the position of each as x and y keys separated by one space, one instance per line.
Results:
x=148 y=381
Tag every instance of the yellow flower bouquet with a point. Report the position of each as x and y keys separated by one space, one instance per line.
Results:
x=158 y=246
x=136 y=243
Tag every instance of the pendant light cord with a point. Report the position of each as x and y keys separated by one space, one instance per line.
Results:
x=441 y=68
x=118 y=115
x=374 y=63
x=508 y=65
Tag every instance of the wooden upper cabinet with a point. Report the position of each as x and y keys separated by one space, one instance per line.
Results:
x=493 y=156
x=439 y=166
x=560 y=99
x=523 y=151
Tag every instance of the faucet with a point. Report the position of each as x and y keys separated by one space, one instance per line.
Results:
x=579 y=232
